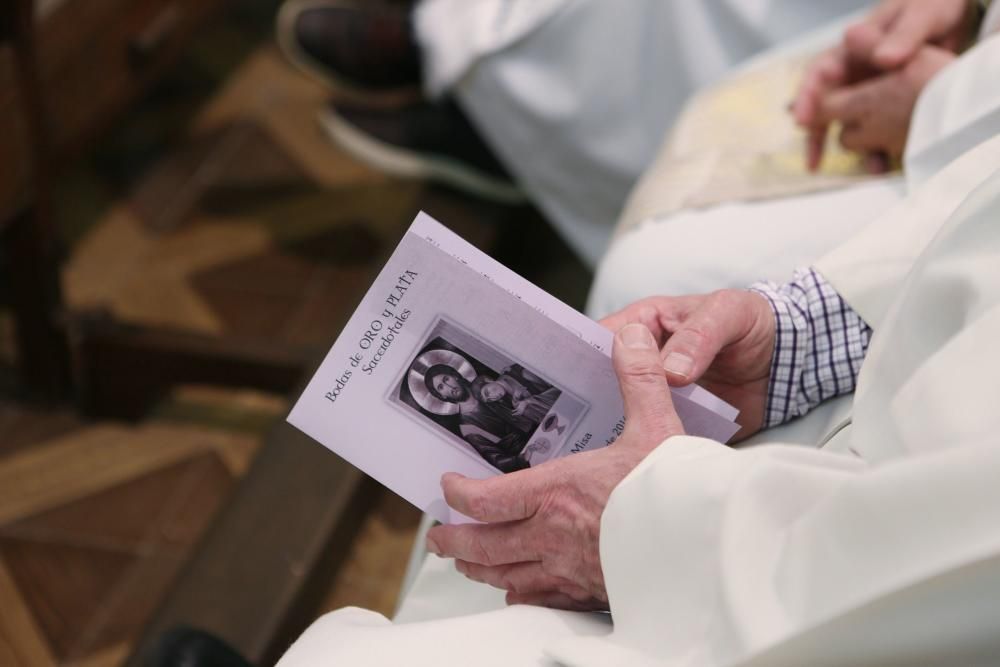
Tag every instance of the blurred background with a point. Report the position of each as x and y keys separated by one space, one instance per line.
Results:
x=179 y=245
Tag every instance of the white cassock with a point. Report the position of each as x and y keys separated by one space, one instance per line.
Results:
x=879 y=546
x=882 y=546
x=734 y=244
x=575 y=95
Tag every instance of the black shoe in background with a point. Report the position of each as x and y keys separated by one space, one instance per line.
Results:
x=358 y=46
x=425 y=140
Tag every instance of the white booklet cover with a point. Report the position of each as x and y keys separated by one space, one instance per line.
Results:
x=453 y=363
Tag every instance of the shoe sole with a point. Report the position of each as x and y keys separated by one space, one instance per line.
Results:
x=409 y=164
x=315 y=70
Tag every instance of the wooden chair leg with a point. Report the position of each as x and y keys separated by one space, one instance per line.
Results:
x=43 y=358
x=30 y=240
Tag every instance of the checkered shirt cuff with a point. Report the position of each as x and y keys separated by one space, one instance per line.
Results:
x=819 y=345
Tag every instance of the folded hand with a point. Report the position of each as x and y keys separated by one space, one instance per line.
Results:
x=870 y=82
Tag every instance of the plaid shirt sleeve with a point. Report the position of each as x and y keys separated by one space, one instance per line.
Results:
x=819 y=345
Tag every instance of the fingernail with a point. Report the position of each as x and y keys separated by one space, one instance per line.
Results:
x=433 y=547
x=678 y=364
x=637 y=337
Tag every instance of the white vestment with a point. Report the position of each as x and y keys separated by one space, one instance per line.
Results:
x=880 y=547
x=732 y=245
x=576 y=95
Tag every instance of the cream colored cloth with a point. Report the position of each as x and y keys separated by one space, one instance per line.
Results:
x=736 y=142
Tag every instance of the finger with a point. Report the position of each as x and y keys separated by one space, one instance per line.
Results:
x=828 y=71
x=815 y=147
x=723 y=319
x=832 y=70
x=557 y=600
x=861 y=40
x=657 y=314
x=502 y=498
x=884 y=15
x=876 y=163
x=485 y=544
x=860 y=138
x=644 y=312
x=911 y=30
x=848 y=105
x=806 y=104
x=643 y=384
x=516 y=577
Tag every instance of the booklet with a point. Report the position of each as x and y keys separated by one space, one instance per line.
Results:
x=454 y=363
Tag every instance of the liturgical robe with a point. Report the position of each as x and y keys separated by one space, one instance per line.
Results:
x=881 y=546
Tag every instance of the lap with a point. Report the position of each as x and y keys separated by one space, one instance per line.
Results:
x=516 y=635
x=733 y=245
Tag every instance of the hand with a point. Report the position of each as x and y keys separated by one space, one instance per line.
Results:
x=888 y=39
x=724 y=341
x=519 y=408
x=876 y=113
x=540 y=535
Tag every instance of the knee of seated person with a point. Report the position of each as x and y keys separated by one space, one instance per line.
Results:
x=644 y=263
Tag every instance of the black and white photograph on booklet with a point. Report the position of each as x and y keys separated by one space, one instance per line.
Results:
x=484 y=401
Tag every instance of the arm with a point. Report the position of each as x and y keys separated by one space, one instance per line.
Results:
x=809 y=556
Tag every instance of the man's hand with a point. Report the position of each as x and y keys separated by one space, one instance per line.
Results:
x=892 y=39
x=875 y=114
x=540 y=535
x=723 y=340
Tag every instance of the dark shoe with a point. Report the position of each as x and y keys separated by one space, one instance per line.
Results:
x=360 y=46
x=187 y=647
x=428 y=140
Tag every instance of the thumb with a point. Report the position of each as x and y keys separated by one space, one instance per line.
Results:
x=691 y=349
x=643 y=385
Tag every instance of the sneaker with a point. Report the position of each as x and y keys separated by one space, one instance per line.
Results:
x=425 y=140
x=361 y=47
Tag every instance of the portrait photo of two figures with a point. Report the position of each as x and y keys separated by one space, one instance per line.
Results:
x=485 y=402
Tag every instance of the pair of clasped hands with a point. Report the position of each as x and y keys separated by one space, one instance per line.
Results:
x=870 y=82
x=540 y=531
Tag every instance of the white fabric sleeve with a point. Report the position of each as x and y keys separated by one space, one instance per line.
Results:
x=742 y=551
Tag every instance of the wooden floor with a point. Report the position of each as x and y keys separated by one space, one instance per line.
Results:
x=96 y=519
x=251 y=226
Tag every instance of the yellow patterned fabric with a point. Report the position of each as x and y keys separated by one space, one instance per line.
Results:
x=736 y=141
